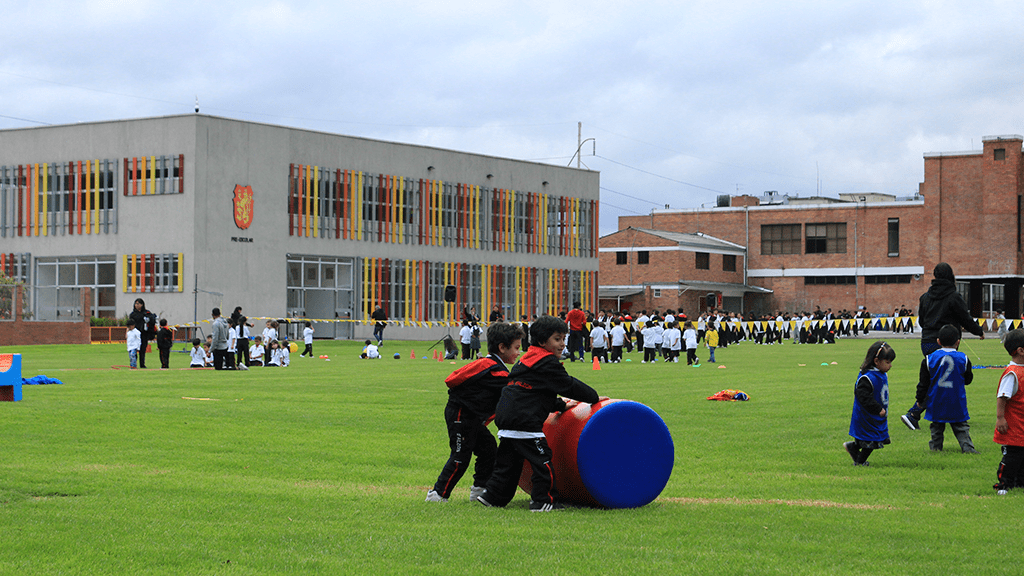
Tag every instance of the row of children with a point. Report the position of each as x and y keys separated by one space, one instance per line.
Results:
x=942 y=397
x=278 y=354
x=658 y=338
x=520 y=399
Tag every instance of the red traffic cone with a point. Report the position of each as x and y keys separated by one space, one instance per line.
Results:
x=597 y=363
x=412 y=354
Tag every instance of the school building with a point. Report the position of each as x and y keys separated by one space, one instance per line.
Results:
x=777 y=253
x=193 y=211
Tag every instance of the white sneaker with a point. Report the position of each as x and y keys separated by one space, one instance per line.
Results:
x=433 y=496
x=1001 y=492
x=475 y=491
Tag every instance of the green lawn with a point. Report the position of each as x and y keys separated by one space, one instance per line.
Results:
x=322 y=468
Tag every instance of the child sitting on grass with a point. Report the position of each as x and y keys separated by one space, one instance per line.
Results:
x=868 y=424
x=940 y=390
x=1010 y=416
x=197 y=355
x=370 y=351
x=473 y=393
x=535 y=383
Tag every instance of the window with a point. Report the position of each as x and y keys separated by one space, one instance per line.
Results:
x=894 y=236
x=808 y=280
x=827 y=238
x=621 y=258
x=888 y=279
x=703 y=261
x=643 y=257
x=999 y=154
x=993 y=297
x=729 y=262
x=780 y=239
x=58 y=283
x=964 y=289
x=656 y=292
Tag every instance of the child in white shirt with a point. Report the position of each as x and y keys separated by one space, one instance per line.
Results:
x=599 y=342
x=650 y=349
x=370 y=351
x=256 y=352
x=307 y=339
x=618 y=336
x=690 y=335
x=673 y=340
x=197 y=356
x=284 y=353
x=134 y=341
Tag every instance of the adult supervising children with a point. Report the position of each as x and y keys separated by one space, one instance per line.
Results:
x=939 y=306
x=535 y=384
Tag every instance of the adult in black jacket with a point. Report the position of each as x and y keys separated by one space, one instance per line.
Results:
x=380 y=318
x=939 y=306
x=942 y=305
x=145 y=321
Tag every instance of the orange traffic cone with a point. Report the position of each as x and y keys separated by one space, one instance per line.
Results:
x=412 y=354
x=597 y=363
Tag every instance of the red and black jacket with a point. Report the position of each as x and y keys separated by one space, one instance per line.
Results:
x=535 y=384
x=478 y=385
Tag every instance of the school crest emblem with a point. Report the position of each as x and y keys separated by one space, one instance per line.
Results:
x=243 y=206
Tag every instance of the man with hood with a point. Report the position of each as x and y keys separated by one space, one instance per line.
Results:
x=939 y=306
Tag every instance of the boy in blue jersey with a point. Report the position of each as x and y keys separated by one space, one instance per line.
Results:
x=940 y=390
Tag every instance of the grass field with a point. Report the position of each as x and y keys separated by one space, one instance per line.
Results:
x=322 y=468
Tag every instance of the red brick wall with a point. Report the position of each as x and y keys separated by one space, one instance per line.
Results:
x=968 y=218
x=24 y=332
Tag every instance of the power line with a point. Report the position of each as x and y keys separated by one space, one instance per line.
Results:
x=659 y=175
x=629 y=196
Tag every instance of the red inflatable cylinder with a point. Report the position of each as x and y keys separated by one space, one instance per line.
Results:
x=615 y=453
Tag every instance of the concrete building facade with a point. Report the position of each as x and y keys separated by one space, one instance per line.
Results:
x=874 y=251
x=194 y=211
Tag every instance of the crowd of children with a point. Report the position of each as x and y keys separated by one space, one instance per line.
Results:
x=266 y=349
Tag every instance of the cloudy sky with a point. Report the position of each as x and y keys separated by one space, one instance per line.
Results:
x=685 y=100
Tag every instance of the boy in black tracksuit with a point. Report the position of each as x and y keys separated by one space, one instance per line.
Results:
x=535 y=384
x=473 y=392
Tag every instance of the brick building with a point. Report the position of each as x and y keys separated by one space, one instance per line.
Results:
x=874 y=250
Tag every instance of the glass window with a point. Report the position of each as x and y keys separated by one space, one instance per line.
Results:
x=828 y=238
x=643 y=257
x=703 y=261
x=729 y=262
x=780 y=239
x=894 y=236
x=621 y=258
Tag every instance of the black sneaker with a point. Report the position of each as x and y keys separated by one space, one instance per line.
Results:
x=481 y=500
x=544 y=506
x=910 y=421
x=851 y=449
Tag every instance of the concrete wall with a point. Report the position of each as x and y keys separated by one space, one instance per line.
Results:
x=221 y=153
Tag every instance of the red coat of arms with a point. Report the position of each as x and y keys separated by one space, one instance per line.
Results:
x=243 y=206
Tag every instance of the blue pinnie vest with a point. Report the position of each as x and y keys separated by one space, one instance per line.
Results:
x=947 y=398
x=866 y=426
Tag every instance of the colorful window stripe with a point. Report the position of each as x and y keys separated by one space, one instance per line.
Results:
x=57 y=199
x=412 y=291
x=352 y=205
x=149 y=175
x=152 y=272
